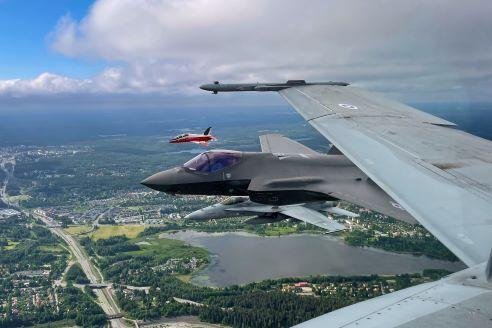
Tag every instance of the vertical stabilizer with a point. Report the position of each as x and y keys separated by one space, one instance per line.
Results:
x=207 y=131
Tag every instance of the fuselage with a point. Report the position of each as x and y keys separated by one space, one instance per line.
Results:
x=266 y=178
x=198 y=138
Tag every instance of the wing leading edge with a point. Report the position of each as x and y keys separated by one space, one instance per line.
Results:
x=440 y=175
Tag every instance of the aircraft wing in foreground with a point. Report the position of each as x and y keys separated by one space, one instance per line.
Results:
x=442 y=176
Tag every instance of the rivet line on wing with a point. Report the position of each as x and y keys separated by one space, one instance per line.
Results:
x=314 y=99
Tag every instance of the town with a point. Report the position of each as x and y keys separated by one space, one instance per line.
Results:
x=97 y=235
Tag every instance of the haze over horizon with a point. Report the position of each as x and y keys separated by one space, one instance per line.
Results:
x=148 y=54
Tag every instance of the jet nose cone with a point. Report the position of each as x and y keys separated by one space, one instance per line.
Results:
x=146 y=182
x=206 y=87
x=191 y=216
x=162 y=181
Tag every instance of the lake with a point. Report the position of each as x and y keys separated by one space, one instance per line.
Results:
x=239 y=258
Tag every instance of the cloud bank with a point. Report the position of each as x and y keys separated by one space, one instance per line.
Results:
x=413 y=50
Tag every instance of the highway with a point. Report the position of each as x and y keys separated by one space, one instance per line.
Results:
x=105 y=296
x=8 y=175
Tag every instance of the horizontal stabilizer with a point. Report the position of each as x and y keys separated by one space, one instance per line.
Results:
x=342 y=212
x=313 y=217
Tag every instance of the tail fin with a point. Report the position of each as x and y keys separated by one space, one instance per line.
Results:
x=207 y=131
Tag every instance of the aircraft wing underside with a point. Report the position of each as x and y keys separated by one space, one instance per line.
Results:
x=440 y=175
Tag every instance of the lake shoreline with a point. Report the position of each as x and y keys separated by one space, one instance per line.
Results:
x=239 y=258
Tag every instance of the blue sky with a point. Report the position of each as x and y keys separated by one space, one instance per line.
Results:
x=24 y=29
x=161 y=50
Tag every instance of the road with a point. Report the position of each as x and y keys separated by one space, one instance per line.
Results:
x=105 y=296
x=8 y=175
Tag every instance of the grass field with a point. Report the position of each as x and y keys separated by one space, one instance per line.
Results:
x=275 y=231
x=11 y=245
x=18 y=198
x=163 y=248
x=77 y=229
x=56 y=324
x=185 y=277
x=106 y=231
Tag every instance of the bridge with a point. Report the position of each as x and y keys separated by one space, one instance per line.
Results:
x=98 y=286
x=114 y=316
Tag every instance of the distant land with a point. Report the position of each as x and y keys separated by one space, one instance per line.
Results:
x=56 y=126
x=80 y=170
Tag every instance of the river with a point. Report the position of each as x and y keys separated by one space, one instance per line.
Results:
x=239 y=258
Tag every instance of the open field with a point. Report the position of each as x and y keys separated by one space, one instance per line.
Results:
x=11 y=245
x=185 y=277
x=57 y=324
x=18 y=198
x=77 y=229
x=106 y=231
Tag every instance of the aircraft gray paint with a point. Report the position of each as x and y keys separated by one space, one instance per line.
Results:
x=217 y=87
x=284 y=173
x=314 y=213
x=442 y=176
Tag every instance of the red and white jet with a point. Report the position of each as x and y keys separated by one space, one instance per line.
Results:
x=202 y=139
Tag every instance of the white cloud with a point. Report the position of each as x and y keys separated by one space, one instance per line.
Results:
x=45 y=83
x=414 y=49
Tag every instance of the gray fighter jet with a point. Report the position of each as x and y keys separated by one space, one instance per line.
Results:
x=284 y=173
x=313 y=213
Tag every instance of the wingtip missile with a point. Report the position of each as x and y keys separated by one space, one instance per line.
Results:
x=217 y=87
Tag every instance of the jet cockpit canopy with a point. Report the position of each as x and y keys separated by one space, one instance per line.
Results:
x=181 y=136
x=213 y=160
